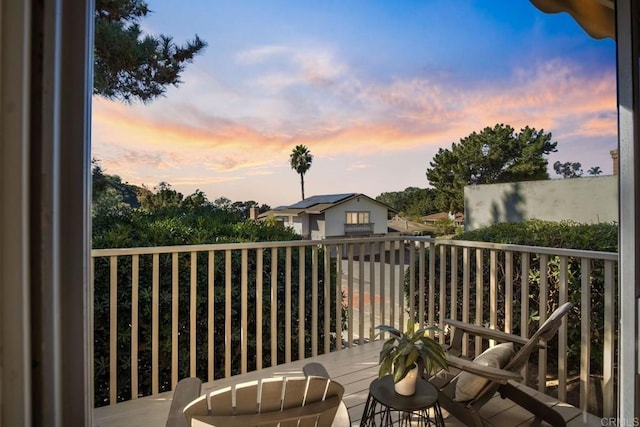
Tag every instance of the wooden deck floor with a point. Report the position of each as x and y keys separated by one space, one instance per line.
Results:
x=354 y=368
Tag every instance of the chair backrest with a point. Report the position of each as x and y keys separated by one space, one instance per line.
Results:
x=548 y=329
x=299 y=401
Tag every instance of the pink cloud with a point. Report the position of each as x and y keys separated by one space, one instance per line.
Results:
x=356 y=117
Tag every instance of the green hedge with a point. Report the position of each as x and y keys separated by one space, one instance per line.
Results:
x=566 y=234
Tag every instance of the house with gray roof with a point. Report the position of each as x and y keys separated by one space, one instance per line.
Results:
x=334 y=215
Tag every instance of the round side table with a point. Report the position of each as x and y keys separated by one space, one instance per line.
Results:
x=385 y=407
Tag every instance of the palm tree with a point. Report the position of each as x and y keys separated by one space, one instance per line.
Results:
x=595 y=170
x=301 y=159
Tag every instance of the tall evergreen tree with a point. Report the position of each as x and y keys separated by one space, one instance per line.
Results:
x=131 y=66
x=301 y=159
x=494 y=155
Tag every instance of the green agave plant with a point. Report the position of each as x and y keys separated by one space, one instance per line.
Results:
x=404 y=349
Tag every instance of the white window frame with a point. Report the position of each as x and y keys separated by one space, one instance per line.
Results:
x=360 y=217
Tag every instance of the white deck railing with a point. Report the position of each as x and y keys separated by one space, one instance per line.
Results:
x=454 y=277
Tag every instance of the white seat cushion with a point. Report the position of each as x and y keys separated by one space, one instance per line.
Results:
x=469 y=385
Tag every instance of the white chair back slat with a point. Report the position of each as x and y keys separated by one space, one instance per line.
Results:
x=221 y=402
x=246 y=400
x=294 y=392
x=271 y=395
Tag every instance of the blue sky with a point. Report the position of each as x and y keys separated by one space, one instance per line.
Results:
x=373 y=88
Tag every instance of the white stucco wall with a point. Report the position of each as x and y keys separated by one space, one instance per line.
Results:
x=297 y=227
x=336 y=216
x=584 y=200
x=319 y=233
x=300 y=224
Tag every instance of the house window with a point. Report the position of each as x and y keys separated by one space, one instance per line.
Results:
x=357 y=218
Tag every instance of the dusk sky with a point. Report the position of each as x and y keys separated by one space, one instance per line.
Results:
x=372 y=88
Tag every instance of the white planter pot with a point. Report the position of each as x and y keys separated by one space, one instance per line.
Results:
x=407 y=385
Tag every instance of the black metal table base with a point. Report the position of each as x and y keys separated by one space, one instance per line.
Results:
x=384 y=407
x=378 y=415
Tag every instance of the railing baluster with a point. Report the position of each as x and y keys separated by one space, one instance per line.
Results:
x=227 y=313
x=542 y=314
x=113 y=330
x=479 y=298
x=155 y=323
x=508 y=291
x=443 y=292
x=287 y=306
x=327 y=299
x=392 y=284
x=372 y=291
x=401 y=284
x=608 y=389
x=174 y=320
x=244 y=290
x=562 y=332
x=466 y=275
x=274 y=306
x=454 y=283
x=301 y=305
x=350 y=320
x=135 y=279
x=412 y=284
x=585 y=333
x=382 y=251
x=259 y=289
x=314 y=301
x=524 y=306
x=421 y=288
x=432 y=285
x=193 y=330
x=361 y=295
x=493 y=292
x=338 y=297
x=211 y=269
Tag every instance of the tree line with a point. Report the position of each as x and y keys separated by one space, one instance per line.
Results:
x=125 y=215
x=494 y=155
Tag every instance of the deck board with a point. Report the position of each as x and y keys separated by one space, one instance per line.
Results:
x=354 y=368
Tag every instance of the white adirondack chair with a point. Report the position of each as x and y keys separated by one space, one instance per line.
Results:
x=286 y=402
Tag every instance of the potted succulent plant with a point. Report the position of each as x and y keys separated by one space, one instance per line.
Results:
x=405 y=352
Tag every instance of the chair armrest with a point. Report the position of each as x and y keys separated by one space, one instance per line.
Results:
x=342 y=418
x=187 y=390
x=495 y=374
x=490 y=333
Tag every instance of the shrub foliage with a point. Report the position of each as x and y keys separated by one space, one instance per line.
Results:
x=174 y=220
x=568 y=235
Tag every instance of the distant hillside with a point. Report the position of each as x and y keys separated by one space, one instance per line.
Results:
x=111 y=195
x=102 y=182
